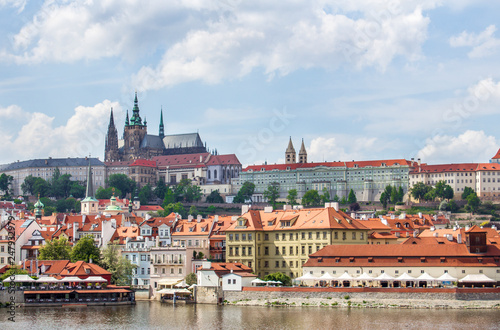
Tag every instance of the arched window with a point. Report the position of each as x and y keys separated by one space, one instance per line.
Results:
x=215 y=174
x=209 y=174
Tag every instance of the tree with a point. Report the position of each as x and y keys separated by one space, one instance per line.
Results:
x=336 y=198
x=473 y=202
x=121 y=182
x=272 y=193
x=394 y=196
x=325 y=198
x=448 y=192
x=245 y=193
x=193 y=193
x=66 y=205
x=384 y=199
x=41 y=187
x=467 y=192
x=430 y=195
x=343 y=200
x=60 y=184
x=168 y=198
x=354 y=207
x=5 y=182
x=452 y=206
x=161 y=188
x=28 y=185
x=56 y=249
x=146 y=194
x=283 y=278
x=191 y=279
x=77 y=189
x=15 y=270
x=292 y=197
x=193 y=211
x=121 y=268
x=106 y=193
x=419 y=190
x=85 y=250
x=401 y=194
x=351 y=199
x=215 y=197
x=311 y=197
x=175 y=207
x=211 y=209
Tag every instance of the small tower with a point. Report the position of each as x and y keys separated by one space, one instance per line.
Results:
x=38 y=208
x=89 y=205
x=302 y=153
x=111 y=148
x=162 y=128
x=290 y=155
x=134 y=132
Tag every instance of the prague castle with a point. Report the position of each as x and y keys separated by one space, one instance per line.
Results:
x=137 y=143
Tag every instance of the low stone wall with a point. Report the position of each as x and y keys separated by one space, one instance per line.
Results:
x=5 y=296
x=208 y=295
x=143 y=294
x=269 y=293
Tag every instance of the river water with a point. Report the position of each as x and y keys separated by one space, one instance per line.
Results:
x=154 y=315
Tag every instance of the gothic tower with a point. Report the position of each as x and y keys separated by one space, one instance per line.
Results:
x=302 y=153
x=290 y=155
x=134 y=133
x=162 y=128
x=111 y=149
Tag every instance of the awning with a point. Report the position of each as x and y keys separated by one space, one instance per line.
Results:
x=181 y=284
x=71 y=279
x=169 y=281
x=345 y=277
x=405 y=277
x=326 y=277
x=384 y=277
x=364 y=277
x=476 y=278
x=173 y=291
x=104 y=291
x=18 y=278
x=446 y=278
x=94 y=279
x=425 y=277
x=48 y=279
x=307 y=277
x=48 y=291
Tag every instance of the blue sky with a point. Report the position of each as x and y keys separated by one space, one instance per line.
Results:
x=357 y=80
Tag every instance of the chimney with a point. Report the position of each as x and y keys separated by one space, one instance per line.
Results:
x=435 y=235
x=268 y=209
x=420 y=215
x=450 y=237
x=244 y=209
x=353 y=215
x=216 y=218
x=459 y=238
x=190 y=218
x=335 y=205
x=75 y=230
x=419 y=162
x=415 y=234
x=198 y=218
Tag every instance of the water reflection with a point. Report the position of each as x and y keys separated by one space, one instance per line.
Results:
x=153 y=315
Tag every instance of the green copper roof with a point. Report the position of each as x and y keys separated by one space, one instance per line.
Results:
x=136 y=118
x=89 y=199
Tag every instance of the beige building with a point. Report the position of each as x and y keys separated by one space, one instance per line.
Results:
x=272 y=241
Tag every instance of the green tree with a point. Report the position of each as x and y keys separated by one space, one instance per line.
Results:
x=121 y=268
x=384 y=199
x=272 y=193
x=28 y=185
x=401 y=194
x=394 y=196
x=169 y=197
x=122 y=183
x=452 y=206
x=15 y=270
x=245 y=193
x=473 y=203
x=215 y=197
x=41 y=187
x=351 y=199
x=56 y=249
x=292 y=197
x=430 y=195
x=211 y=209
x=60 y=184
x=325 y=198
x=85 y=250
x=161 y=188
x=146 y=194
x=193 y=211
x=49 y=210
x=283 y=278
x=419 y=190
x=177 y=208
x=336 y=198
x=467 y=192
x=191 y=279
x=343 y=200
x=106 y=193
x=193 y=193
x=5 y=182
x=448 y=192
x=311 y=197
x=77 y=189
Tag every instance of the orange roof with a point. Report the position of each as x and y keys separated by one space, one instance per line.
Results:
x=497 y=155
x=375 y=224
x=193 y=227
x=441 y=168
x=476 y=229
x=376 y=235
x=353 y=164
x=488 y=167
x=144 y=162
x=150 y=208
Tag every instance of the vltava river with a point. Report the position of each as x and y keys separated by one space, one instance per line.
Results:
x=153 y=315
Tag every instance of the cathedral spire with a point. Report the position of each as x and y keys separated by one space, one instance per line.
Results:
x=136 y=117
x=127 y=122
x=290 y=154
x=111 y=119
x=162 y=128
x=90 y=188
x=302 y=153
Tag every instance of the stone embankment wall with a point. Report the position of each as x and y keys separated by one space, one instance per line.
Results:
x=5 y=296
x=265 y=293
x=208 y=295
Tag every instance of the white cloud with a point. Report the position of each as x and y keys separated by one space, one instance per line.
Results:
x=471 y=146
x=83 y=134
x=483 y=44
x=19 y=4
x=340 y=148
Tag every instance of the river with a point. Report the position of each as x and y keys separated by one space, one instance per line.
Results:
x=153 y=315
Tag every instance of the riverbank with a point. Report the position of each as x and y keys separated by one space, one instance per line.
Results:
x=410 y=298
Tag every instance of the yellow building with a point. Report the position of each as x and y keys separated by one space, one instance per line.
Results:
x=281 y=241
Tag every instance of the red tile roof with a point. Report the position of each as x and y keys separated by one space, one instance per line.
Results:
x=497 y=155
x=359 y=164
x=144 y=162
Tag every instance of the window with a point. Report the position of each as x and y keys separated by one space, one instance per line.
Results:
x=180 y=270
x=277 y=264
x=236 y=237
x=324 y=235
x=317 y=235
x=310 y=249
x=266 y=264
x=230 y=237
x=243 y=237
x=243 y=251
x=303 y=249
x=249 y=250
x=228 y=281
x=277 y=251
x=283 y=264
x=230 y=250
x=291 y=236
x=310 y=236
x=237 y=251
x=283 y=237
x=277 y=237
x=291 y=250
x=344 y=235
x=303 y=235
x=361 y=235
x=266 y=237
x=354 y=235
x=266 y=250
x=250 y=237
x=336 y=235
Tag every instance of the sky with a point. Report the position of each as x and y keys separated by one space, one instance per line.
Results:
x=357 y=80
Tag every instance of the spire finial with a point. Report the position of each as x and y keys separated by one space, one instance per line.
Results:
x=161 y=130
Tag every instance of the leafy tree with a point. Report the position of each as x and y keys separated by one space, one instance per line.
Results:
x=175 y=207
x=17 y=201
x=85 y=250
x=325 y=198
x=401 y=194
x=452 y=206
x=384 y=199
x=394 y=196
x=56 y=249
x=292 y=196
x=419 y=190
x=311 y=197
x=211 y=209
x=28 y=185
x=193 y=193
x=121 y=268
x=352 y=197
x=272 y=193
x=77 y=189
x=343 y=200
x=16 y=270
x=5 y=182
x=467 y=192
x=122 y=183
x=66 y=205
x=336 y=198
x=60 y=184
x=193 y=211
x=245 y=193
x=473 y=202
x=161 y=188
x=146 y=194
x=191 y=279
x=41 y=187
x=106 y=193
x=49 y=210
x=354 y=207
x=283 y=278
x=215 y=197
x=169 y=197
x=448 y=192
x=430 y=195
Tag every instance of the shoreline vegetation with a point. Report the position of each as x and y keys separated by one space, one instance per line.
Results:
x=348 y=302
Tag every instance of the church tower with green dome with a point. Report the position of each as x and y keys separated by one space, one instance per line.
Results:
x=38 y=208
x=134 y=132
x=89 y=205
